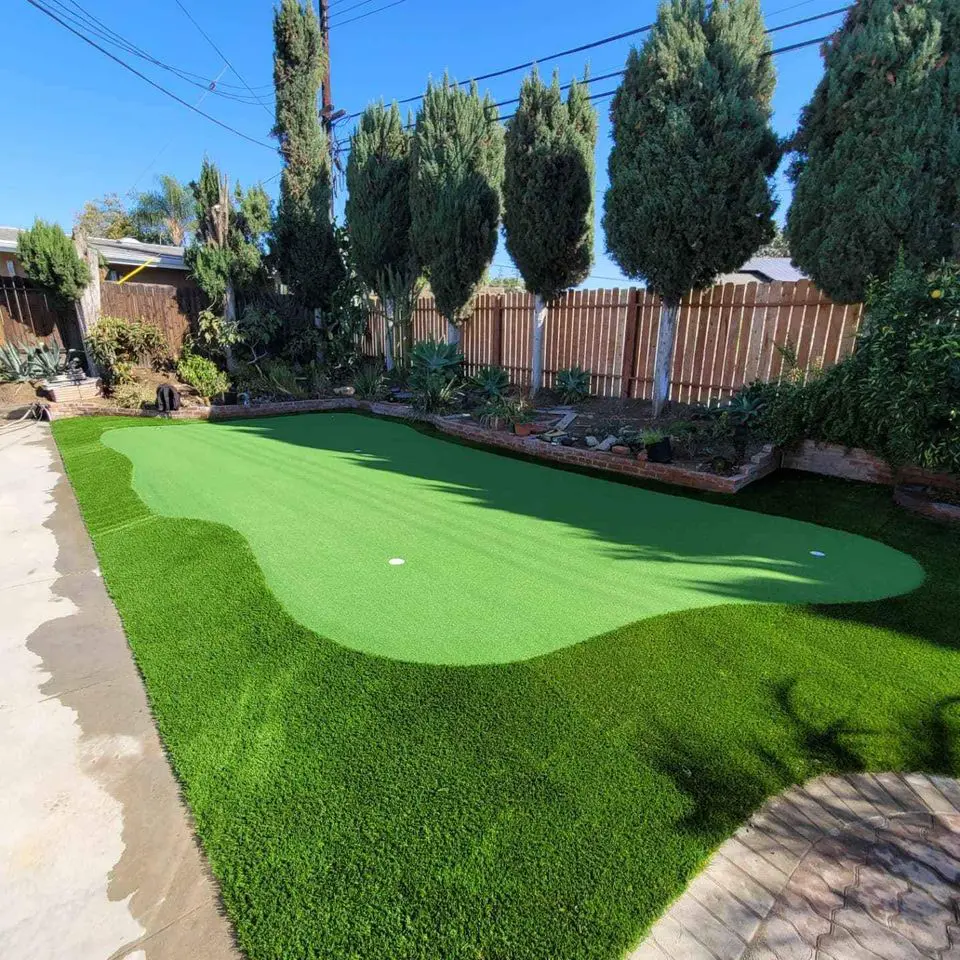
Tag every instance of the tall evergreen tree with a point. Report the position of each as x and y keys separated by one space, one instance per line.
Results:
x=456 y=179
x=226 y=253
x=50 y=259
x=305 y=245
x=548 y=196
x=692 y=157
x=378 y=212
x=877 y=162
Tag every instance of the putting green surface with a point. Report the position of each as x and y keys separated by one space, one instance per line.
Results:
x=502 y=560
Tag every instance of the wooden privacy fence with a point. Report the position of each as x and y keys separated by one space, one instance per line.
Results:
x=28 y=316
x=173 y=309
x=727 y=335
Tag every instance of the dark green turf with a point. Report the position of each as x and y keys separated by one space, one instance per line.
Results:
x=363 y=807
x=502 y=560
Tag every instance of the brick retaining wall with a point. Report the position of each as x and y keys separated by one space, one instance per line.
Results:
x=853 y=463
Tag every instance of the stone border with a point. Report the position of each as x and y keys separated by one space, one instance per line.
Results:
x=797 y=873
x=913 y=498
x=761 y=465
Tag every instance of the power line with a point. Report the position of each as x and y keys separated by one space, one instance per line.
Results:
x=222 y=55
x=354 y=6
x=89 y=23
x=145 y=78
x=363 y=16
x=602 y=42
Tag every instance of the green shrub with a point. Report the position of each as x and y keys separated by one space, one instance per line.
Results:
x=117 y=344
x=899 y=393
x=490 y=382
x=370 y=382
x=131 y=396
x=203 y=375
x=506 y=410
x=573 y=384
x=50 y=259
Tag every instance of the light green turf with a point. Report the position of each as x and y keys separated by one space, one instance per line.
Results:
x=504 y=559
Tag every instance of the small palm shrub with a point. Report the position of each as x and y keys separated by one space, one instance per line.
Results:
x=490 y=382
x=203 y=375
x=370 y=383
x=117 y=344
x=573 y=384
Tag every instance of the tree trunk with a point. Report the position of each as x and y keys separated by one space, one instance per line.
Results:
x=669 y=308
x=537 y=340
x=453 y=333
x=88 y=306
x=230 y=315
x=389 y=313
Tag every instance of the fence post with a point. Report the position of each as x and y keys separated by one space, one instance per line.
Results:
x=496 y=349
x=630 y=331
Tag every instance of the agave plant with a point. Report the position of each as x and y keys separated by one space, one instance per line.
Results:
x=490 y=382
x=15 y=363
x=573 y=384
x=435 y=356
x=47 y=360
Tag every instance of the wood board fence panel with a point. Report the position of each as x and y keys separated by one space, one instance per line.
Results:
x=726 y=336
x=28 y=316
x=173 y=309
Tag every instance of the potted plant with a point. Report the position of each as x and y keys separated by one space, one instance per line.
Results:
x=657 y=445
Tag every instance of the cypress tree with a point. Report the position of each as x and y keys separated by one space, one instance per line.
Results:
x=307 y=255
x=877 y=163
x=548 y=195
x=378 y=211
x=456 y=179
x=692 y=157
x=50 y=259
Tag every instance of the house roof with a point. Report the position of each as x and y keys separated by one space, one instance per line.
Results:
x=126 y=252
x=773 y=268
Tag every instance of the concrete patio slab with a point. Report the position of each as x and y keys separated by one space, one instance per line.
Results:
x=97 y=856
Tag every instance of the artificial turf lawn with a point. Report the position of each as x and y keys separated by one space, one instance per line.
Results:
x=503 y=559
x=356 y=806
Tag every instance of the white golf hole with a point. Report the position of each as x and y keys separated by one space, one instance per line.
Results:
x=358 y=450
x=396 y=561
x=817 y=553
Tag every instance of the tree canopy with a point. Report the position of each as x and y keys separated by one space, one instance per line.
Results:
x=693 y=150
x=305 y=246
x=378 y=200
x=548 y=186
x=877 y=163
x=49 y=258
x=107 y=217
x=165 y=215
x=456 y=179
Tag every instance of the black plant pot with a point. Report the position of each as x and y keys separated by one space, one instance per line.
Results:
x=660 y=452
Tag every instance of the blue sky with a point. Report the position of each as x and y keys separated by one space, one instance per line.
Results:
x=78 y=125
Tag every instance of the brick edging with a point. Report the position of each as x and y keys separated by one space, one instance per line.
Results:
x=761 y=465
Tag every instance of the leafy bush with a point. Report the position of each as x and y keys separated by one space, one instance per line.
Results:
x=131 y=396
x=117 y=344
x=370 y=383
x=203 y=375
x=50 y=259
x=899 y=393
x=507 y=410
x=490 y=382
x=573 y=384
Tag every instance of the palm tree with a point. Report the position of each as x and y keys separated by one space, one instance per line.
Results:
x=165 y=215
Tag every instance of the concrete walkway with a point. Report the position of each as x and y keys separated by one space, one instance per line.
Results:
x=97 y=857
x=860 y=867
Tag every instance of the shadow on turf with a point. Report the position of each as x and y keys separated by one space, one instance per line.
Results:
x=797 y=578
